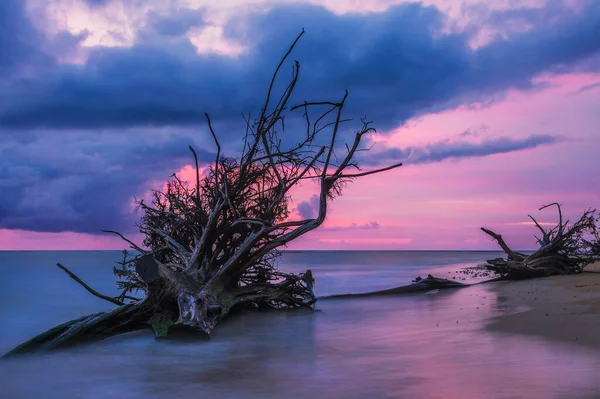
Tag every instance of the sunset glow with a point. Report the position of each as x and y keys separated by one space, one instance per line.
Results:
x=493 y=113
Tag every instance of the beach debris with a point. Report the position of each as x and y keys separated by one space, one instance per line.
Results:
x=210 y=248
x=429 y=284
x=564 y=249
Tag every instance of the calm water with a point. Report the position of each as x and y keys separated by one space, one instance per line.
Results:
x=416 y=346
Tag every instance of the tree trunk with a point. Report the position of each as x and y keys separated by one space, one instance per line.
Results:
x=88 y=328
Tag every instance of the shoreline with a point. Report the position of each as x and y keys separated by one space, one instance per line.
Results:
x=559 y=308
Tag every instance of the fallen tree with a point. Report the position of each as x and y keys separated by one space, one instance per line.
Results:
x=419 y=284
x=210 y=247
x=564 y=249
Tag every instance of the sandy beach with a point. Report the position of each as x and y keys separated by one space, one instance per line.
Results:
x=564 y=308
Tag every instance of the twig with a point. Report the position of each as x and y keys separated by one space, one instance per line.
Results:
x=134 y=246
x=218 y=148
x=197 y=174
x=370 y=172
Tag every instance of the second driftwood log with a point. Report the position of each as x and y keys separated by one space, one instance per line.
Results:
x=564 y=249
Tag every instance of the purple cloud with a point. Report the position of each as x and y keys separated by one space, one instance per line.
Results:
x=354 y=226
x=177 y=23
x=474 y=132
x=308 y=209
x=426 y=69
x=84 y=184
x=588 y=87
x=446 y=149
x=97 y=3
x=19 y=40
x=79 y=140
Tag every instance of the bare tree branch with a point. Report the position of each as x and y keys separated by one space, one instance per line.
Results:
x=133 y=246
x=371 y=172
x=88 y=288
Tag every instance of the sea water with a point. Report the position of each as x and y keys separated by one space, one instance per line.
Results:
x=408 y=346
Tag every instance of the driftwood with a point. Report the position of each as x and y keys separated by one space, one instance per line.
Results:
x=564 y=249
x=210 y=248
x=419 y=284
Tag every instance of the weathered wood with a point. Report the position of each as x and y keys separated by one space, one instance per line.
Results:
x=92 y=291
x=512 y=255
x=563 y=250
x=147 y=268
x=419 y=285
x=86 y=329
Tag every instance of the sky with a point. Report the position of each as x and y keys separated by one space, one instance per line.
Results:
x=493 y=107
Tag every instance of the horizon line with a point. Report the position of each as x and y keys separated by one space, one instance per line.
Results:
x=285 y=250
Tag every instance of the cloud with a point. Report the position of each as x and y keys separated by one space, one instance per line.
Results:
x=84 y=183
x=588 y=87
x=446 y=149
x=550 y=224
x=78 y=140
x=65 y=44
x=19 y=39
x=177 y=23
x=474 y=132
x=308 y=209
x=397 y=64
x=97 y=3
x=353 y=226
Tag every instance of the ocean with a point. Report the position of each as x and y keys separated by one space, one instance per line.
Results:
x=409 y=346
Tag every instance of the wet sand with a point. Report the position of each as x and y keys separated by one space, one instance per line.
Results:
x=563 y=308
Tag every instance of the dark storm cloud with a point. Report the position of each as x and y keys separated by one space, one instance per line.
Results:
x=179 y=22
x=397 y=64
x=19 y=40
x=80 y=183
x=78 y=141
